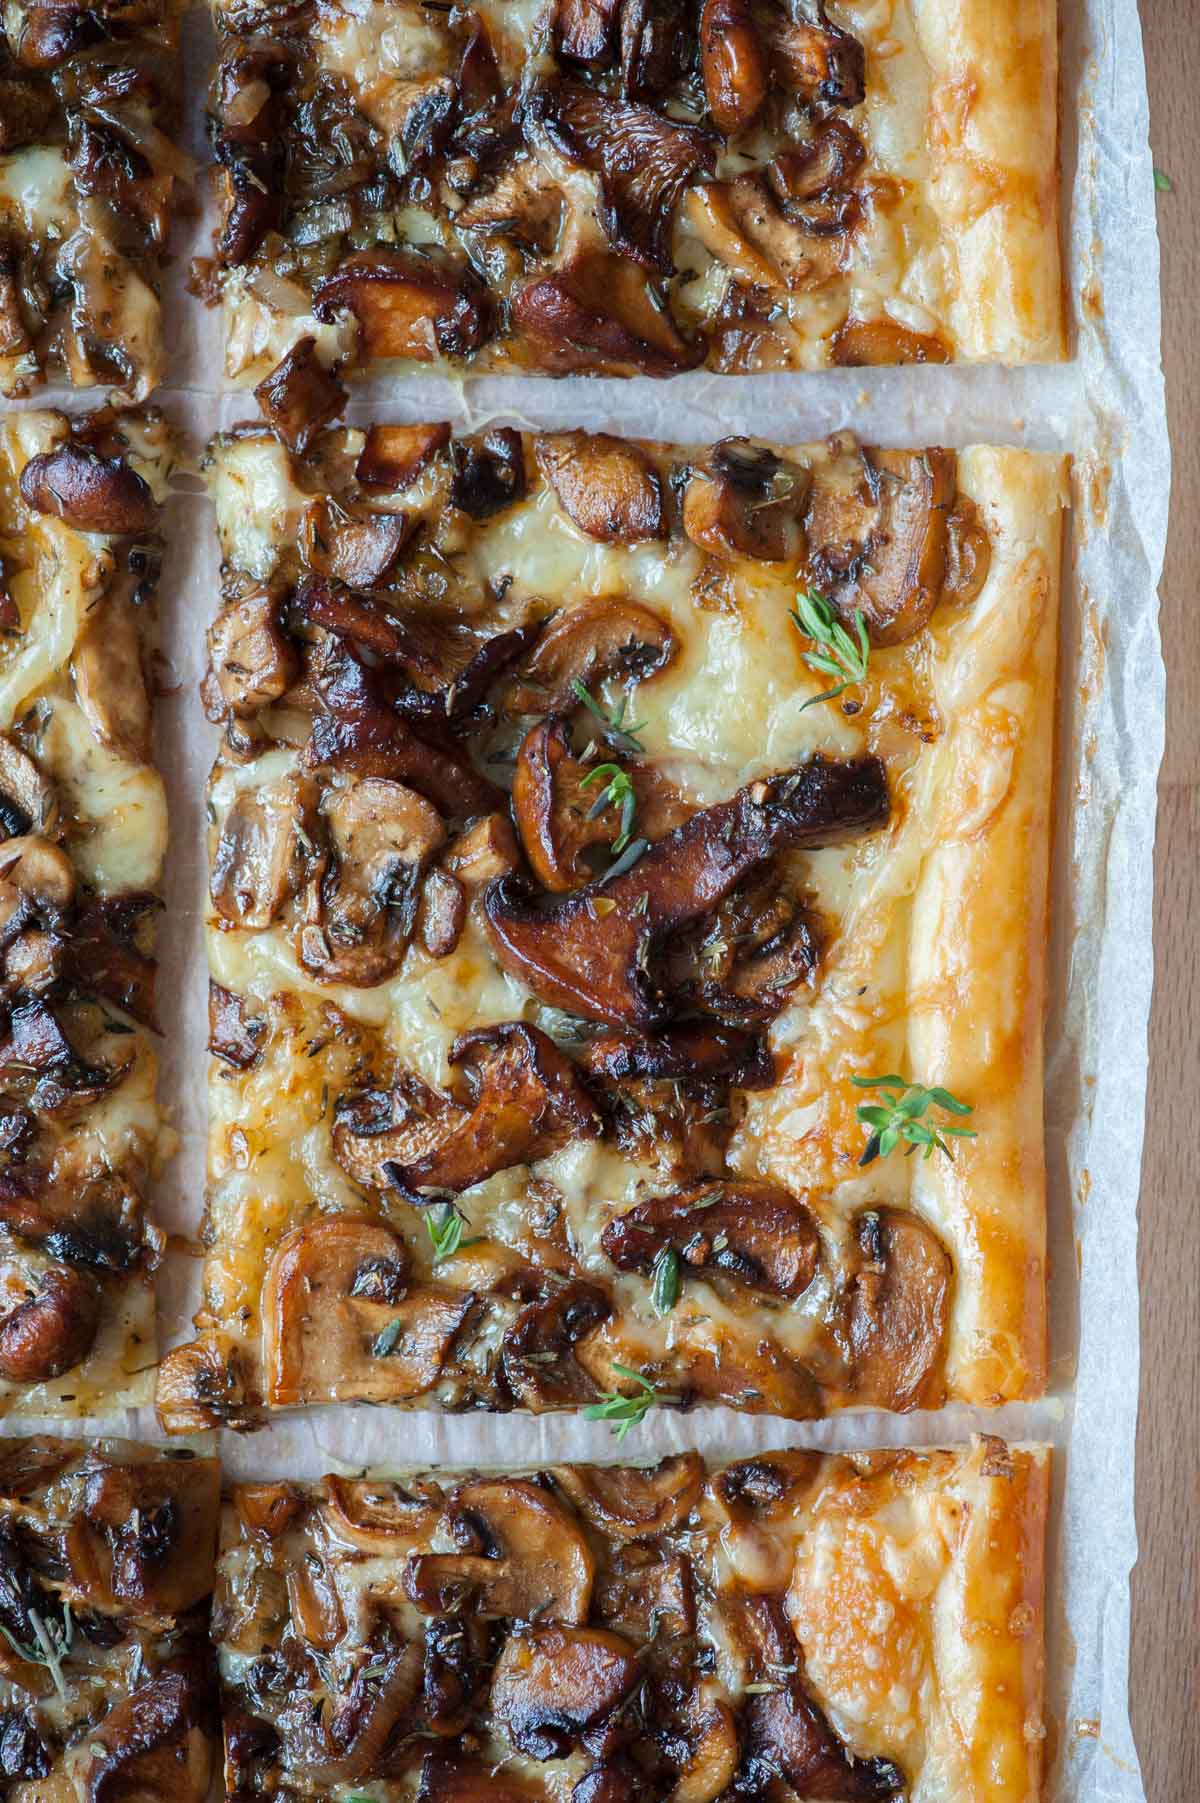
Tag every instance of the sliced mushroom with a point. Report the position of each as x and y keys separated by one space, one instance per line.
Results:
x=635 y=1502
x=608 y=1784
x=864 y=343
x=28 y=802
x=553 y=809
x=483 y=852
x=456 y=1779
x=813 y=182
x=877 y=538
x=489 y=472
x=300 y=396
x=690 y=1051
x=457 y=1654
x=378 y=1518
x=88 y=491
x=756 y=1233
x=595 y=960
x=739 y=222
x=144 y=1535
x=37 y=881
x=252 y=659
x=518 y=1099
x=733 y=63
x=816 y=60
x=406 y=305
x=608 y=486
x=598 y=315
x=106 y=667
x=268 y=1509
x=788 y=1736
x=713 y=1760
x=602 y=638
x=357 y=549
x=257 y=863
x=442 y=913
x=362 y=912
x=653 y=47
x=202 y=1385
x=53 y=1330
x=393 y=457
x=767 y=1489
x=898 y=1311
x=745 y=501
x=968 y=552
x=552 y=1685
x=528 y=1559
x=585 y=30
x=538 y=1352
x=328 y=1336
x=744 y=961
x=645 y=1592
x=154 y=1743
x=314 y=1604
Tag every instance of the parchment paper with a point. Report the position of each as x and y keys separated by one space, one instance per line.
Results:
x=1106 y=407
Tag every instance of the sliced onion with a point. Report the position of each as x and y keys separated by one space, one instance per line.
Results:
x=247 y=103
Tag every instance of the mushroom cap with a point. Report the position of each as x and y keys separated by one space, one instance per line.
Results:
x=538 y=1562
x=733 y=64
x=406 y=305
x=89 y=492
x=53 y=1330
x=551 y=1684
x=635 y=1502
x=605 y=636
x=607 y=486
x=899 y=1309
x=756 y=1233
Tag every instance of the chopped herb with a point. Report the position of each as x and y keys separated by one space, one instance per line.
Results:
x=626 y=1412
x=622 y=736
x=53 y=1645
x=618 y=793
x=665 y=1293
x=901 y=1117
x=444 y=1224
x=1163 y=182
x=840 y=657
x=385 y=1343
x=627 y=860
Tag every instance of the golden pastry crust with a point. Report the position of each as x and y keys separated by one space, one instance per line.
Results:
x=863 y=1626
x=84 y=833
x=496 y=1120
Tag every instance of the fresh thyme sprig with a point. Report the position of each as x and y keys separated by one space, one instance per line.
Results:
x=901 y=1117
x=665 y=1273
x=618 y=792
x=614 y=729
x=445 y=1230
x=841 y=656
x=627 y=1412
x=53 y=1645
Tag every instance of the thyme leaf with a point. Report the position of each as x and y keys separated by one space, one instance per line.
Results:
x=900 y=1117
x=840 y=656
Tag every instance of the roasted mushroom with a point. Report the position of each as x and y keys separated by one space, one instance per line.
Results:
x=52 y=1330
x=602 y=638
x=359 y=549
x=527 y=1558
x=489 y=472
x=258 y=858
x=87 y=491
x=733 y=63
x=788 y=1736
x=863 y=343
x=555 y=812
x=898 y=1311
x=28 y=802
x=755 y=1233
x=406 y=305
x=585 y=31
x=203 y=1384
x=608 y=486
x=300 y=396
x=253 y=660
x=599 y=315
x=637 y=1503
x=446 y=1779
x=816 y=60
x=153 y=1744
x=591 y=953
x=691 y=1051
x=138 y=1539
x=538 y=1353
x=106 y=667
x=552 y=1685
x=393 y=457
x=745 y=501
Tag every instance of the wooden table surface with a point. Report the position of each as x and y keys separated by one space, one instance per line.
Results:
x=1165 y=1667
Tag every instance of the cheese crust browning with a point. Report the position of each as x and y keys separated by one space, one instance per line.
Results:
x=535 y=1034
x=854 y=1628
x=83 y=822
x=89 y=182
x=106 y=1571
x=626 y=187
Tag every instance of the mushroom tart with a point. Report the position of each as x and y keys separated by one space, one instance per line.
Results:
x=789 y=1627
x=82 y=836
x=632 y=187
x=107 y=1687
x=621 y=857
x=90 y=181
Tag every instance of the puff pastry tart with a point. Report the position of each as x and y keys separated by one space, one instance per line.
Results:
x=106 y=1569
x=626 y=187
x=82 y=835
x=795 y=1626
x=586 y=958
x=89 y=180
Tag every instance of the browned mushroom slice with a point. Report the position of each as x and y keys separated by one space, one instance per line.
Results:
x=643 y=159
x=202 y=1385
x=300 y=396
x=968 y=552
x=745 y=960
x=104 y=958
x=694 y=1051
x=813 y=181
x=538 y=1352
x=711 y=1765
x=521 y=1099
x=877 y=538
x=52 y=1330
x=28 y=802
x=745 y=501
x=489 y=472
x=765 y=1489
x=333 y=1329
x=597 y=315
x=376 y=1517
x=359 y=550
x=527 y=1557
x=899 y=1310
x=363 y=911
x=106 y=668
x=154 y=1743
x=585 y=31
x=139 y=1538
x=645 y=1592
x=269 y=1509
x=816 y=60
x=406 y=305
x=754 y=1375
x=614 y=1783
x=653 y=47
x=595 y=961
x=553 y=810
x=88 y=491
x=755 y=1233
x=637 y=1503
x=786 y=1735
x=743 y=227
x=863 y=343
x=314 y=1605
x=486 y=850
x=551 y=1685
x=733 y=62
x=233 y=1035
x=597 y=639
x=456 y=1779
x=442 y=914
x=257 y=861
x=252 y=659
x=394 y=456
x=607 y=485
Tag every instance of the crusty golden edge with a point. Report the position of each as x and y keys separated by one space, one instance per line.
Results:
x=977 y=968
x=992 y=133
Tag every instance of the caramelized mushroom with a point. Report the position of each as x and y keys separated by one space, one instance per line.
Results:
x=595 y=960
x=378 y=1518
x=459 y=1780
x=813 y=182
x=256 y=864
x=608 y=486
x=51 y=1332
x=521 y=1099
x=28 y=802
x=713 y=1760
x=202 y=1385
x=106 y=668
x=636 y=1502
x=691 y=1051
x=357 y=549
x=143 y=1537
x=597 y=639
x=552 y=1684
x=788 y=1736
x=489 y=472
x=88 y=491
x=746 y=502
x=534 y=1562
x=755 y=1233
x=878 y=540
x=253 y=660
x=899 y=1308
x=393 y=457
x=817 y=61
x=300 y=396
x=553 y=810
x=538 y=1352
x=337 y=1325
x=153 y=1743
x=597 y=315
x=486 y=850
x=442 y=913
x=406 y=305
x=733 y=63
x=863 y=343
x=585 y=30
